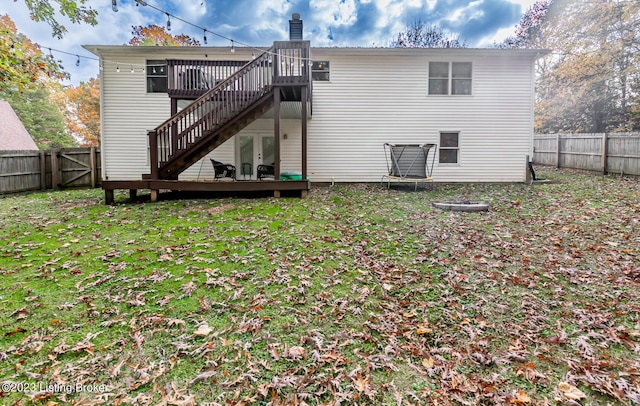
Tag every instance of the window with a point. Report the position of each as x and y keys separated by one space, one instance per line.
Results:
x=157 y=76
x=438 y=77
x=450 y=78
x=320 y=71
x=449 y=147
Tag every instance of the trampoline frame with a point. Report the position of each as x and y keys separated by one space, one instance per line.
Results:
x=409 y=163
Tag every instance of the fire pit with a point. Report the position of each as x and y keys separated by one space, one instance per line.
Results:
x=462 y=205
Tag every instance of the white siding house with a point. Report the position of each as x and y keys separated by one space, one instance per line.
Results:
x=481 y=120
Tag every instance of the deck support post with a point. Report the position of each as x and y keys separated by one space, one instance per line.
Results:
x=154 y=195
x=276 y=132
x=133 y=193
x=153 y=153
x=303 y=93
x=108 y=197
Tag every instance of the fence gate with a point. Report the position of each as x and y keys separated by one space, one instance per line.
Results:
x=76 y=168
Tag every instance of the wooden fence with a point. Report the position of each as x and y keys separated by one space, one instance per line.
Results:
x=55 y=169
x=607 y=153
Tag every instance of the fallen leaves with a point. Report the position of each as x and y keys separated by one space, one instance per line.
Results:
x=203 y=330
x=423 y=328
x=295 y=353
x=570 y=391
x=428 y=362
x=302 y=302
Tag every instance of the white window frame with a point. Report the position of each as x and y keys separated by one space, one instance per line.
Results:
x=442 y=148
x=450 y=79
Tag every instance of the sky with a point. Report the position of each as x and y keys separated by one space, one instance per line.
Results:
x=327 y=23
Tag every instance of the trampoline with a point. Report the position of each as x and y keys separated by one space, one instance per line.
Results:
x=409 y=163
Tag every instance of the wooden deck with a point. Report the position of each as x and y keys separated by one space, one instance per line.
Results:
x=239 y=186
x=228 y=97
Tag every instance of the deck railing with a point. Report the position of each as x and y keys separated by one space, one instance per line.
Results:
x=192 y=78
x=286 y=63
x=294 y=67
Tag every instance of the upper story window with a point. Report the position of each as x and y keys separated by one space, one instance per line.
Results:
x=450 y=78
x=156 y=76
x=320 y=71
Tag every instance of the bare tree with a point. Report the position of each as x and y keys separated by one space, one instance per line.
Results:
x=422 y=35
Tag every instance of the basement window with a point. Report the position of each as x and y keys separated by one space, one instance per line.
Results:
x=320 y=71
x=449 y=147
x=156 y=76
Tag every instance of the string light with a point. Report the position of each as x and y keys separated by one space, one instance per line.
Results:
x=204 y=29
x=114 y=6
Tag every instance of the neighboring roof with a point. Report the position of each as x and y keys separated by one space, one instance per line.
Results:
x=13 y=135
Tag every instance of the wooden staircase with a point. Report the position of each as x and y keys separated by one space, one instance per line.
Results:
x=230 y=106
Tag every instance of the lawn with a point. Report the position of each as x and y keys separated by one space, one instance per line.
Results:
x=355 y=295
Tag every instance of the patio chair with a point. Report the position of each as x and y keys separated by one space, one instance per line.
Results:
x=222 y=170
x=266 y=171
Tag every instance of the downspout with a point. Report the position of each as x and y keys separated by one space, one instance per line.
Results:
x=529 y=171
x=102 y=138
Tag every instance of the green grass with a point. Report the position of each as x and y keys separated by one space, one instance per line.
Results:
x=356 y=294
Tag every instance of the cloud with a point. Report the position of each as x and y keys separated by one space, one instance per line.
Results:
x=355 y=23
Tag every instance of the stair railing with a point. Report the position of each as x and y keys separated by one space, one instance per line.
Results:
x=286 y=63
x=211 y=111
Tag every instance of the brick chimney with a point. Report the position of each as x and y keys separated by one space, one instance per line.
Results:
x=295 y=28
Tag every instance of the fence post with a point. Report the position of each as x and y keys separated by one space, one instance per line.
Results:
x=605 y=152
x=93 y=166
x=55 y=169
x=43 y=170
x=557 y=150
